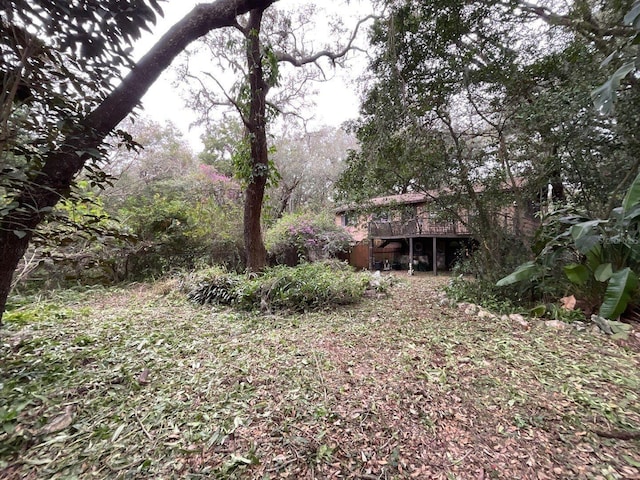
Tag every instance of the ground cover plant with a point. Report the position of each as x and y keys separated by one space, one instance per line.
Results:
x=307 y=287
x=138 y=382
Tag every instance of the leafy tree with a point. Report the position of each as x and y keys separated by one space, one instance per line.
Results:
x=221 y=139
x=59 y=103
x=161 y=155
x=266 y=39
x=468 y=99
x=309 y=164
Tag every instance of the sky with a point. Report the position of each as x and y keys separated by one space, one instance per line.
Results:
x=336 y=102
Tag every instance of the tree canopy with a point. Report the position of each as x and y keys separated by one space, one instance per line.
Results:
x=65 y=135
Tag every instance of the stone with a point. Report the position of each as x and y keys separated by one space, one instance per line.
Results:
x=519 y=319
x=555 y=324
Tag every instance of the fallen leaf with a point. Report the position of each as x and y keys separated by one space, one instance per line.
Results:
x=60 y=422
x=143 y=378
x=568 y=303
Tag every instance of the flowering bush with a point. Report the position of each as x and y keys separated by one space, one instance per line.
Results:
x=305 y=237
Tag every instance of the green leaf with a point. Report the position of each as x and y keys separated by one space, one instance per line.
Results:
x=632 y=197
x=622 y=285
x=538 y=311
x=526 y=271
x=603 y=272
x=604 y=96
x=633 y=16
x=19 y=233
x=585 y=235
x=631 y=461
x=577 y=273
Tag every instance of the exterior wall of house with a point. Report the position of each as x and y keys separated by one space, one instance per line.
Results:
x=421 y=225
x=356 y=225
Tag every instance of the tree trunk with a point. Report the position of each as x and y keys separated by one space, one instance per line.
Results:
x=12 y=249
x=256 y=127
x=61 y=166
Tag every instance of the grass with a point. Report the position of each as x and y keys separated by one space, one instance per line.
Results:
x=139 y=383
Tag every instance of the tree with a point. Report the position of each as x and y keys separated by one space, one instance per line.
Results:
x=260 y=70
x=162 y=154
x=54 y=59
x=468 y=98
x=221 y=140
x=309 y=164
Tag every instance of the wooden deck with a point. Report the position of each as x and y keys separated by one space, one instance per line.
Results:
x=416 y=227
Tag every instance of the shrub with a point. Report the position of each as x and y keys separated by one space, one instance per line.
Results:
x=181 y=228
x=307 y=287
x=305 y=236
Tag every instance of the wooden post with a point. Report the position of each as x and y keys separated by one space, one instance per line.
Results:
x=410 y=255
x=371 y=254
x=435 y=260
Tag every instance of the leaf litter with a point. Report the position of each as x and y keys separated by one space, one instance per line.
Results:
x=133 y=383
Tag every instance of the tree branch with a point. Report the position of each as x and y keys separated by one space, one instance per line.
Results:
x=585 y=26
x=63 y=164
x=333 y=56
x=231 y=101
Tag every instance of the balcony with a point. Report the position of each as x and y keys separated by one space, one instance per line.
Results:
x=416 y=227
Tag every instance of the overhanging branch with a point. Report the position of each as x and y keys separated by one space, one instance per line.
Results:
x=333 y=56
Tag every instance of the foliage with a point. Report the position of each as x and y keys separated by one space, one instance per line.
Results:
x=183 y=224
x=604 y=95
x=306 y=287
x=309 y=164
x=151 y=381
x=480 y=292
x=82 y=242
x=220 y=289
x=466 y=99
x=308 y=236
x=600 y=257
x=54 y=73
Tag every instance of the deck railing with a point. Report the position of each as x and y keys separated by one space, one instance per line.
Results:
x=415 y=227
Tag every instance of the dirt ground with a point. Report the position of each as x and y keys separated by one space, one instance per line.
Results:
x=398 y=387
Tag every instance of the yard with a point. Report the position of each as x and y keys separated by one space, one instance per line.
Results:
x=138 y=383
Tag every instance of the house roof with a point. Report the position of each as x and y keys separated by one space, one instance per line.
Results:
x=413 y=197
x=401 y=199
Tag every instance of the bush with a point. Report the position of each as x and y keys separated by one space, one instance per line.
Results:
x=182 y=229
x=480 y=292
x=305 y=236
x=307 y=287
x=482 y=289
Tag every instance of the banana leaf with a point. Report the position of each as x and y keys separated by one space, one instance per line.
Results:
x=526 y=271
x=577 y=273
x=620 y=289
x=632 y=197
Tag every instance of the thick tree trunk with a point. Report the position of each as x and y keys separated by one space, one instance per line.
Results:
x=256 y=126
x=12 y=249
x=61 y=166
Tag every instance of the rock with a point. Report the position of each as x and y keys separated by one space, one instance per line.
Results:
x=482 y=313
x=595 y=330
x=444 y=302
x=555 y=324
x=602 y=323
x=519 y=319
x=468 y=308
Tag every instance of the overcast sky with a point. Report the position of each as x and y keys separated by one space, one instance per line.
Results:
x=337 y=100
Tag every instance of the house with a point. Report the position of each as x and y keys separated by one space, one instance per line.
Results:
x=408 y=232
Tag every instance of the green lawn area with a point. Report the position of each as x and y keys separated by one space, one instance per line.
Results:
x=138 y=383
